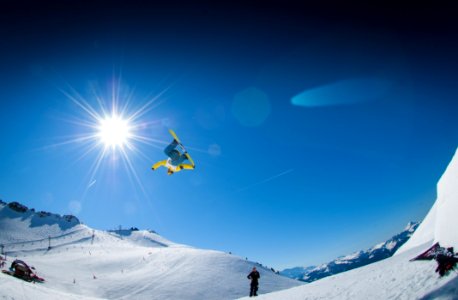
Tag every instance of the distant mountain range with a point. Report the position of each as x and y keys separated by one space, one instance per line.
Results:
x=352 y=261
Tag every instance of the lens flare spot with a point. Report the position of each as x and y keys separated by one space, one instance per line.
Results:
x=251 y=107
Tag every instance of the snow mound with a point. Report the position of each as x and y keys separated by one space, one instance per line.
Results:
x=145 y=238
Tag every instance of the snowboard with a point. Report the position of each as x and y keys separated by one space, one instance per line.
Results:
x=182 y=147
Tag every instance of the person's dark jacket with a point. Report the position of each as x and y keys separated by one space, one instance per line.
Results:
x=446 y=261
x=254 y=276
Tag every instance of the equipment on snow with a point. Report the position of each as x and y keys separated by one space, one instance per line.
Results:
x=445 y=257
x=21 y=270
x=175 y=161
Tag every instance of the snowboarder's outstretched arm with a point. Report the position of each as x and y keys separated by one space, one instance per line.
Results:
x=159 y=164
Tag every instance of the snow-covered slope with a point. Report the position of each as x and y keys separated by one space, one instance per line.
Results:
x=397 y=277
x=354 y=260
x=83 y=263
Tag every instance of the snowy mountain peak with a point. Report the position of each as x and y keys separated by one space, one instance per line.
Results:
x=411 y=226
x=19 y=223
x=16 y=209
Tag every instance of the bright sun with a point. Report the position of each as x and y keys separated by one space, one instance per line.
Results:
x=114 y=131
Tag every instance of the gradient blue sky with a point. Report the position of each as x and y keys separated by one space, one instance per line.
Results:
x=317 y=130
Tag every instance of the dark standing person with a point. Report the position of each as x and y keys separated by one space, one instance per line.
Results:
x=254 y=277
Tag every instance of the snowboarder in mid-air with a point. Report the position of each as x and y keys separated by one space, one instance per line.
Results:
x=176 y=159
x=254 y=277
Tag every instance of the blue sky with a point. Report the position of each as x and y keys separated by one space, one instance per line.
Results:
x=316 y=131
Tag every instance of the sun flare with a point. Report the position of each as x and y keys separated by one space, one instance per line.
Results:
x=114 y=131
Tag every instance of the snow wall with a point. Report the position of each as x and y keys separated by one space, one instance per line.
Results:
x=441 y=222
